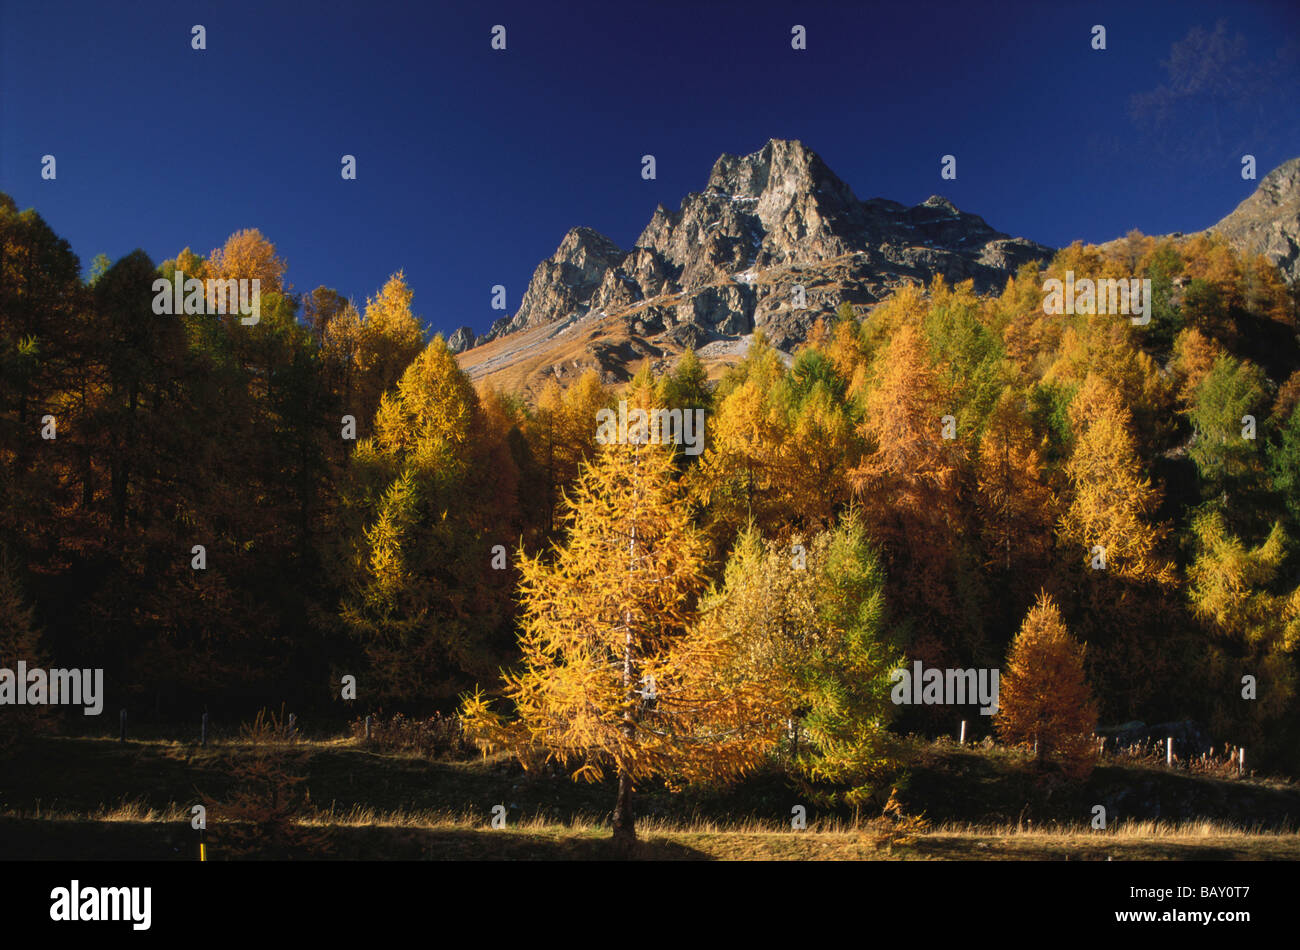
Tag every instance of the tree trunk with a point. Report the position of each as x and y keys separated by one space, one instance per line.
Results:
x=1006 y=505
x=624 y=817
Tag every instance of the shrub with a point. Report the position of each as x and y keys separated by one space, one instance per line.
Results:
x=438 y=737
x=260 y=816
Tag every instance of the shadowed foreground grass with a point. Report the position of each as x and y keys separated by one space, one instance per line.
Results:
x=134 y=833
x=81 y=798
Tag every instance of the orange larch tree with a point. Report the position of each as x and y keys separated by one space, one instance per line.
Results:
x=1043 y=697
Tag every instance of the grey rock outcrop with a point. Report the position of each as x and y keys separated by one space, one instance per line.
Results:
x=1268 y=222
x=563 y=283
x=460 y=340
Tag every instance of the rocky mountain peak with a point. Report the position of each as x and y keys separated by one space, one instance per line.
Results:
x=939 y=202
x=585 y=248
x=1268 y=222
x=783 y=164
x=563 y=283
x=1281 y=186
x=460 y=340
x=774 y=241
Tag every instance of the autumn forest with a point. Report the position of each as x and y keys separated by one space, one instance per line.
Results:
x=228 y=517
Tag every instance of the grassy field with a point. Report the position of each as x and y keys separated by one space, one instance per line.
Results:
x=78 y=798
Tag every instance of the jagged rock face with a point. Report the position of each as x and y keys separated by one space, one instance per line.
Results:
x=461 y=340
x=731 y=259
x=1268 y=222
x=567 y=280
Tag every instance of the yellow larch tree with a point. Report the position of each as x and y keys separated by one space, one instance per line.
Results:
x=247 y=255
x=1232 y=587
x=910 y=463
x=616 y=674
x=1122 y=574
x=744 y=473
x=389 y=338
x=431 y=494
x=812 y=630
x=1104 y=347
x=1113 y=504
x=823 y=446
x=562 y=433
x=908 y=482
x=1194 y=357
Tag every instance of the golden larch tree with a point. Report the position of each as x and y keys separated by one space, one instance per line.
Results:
x=1194 y=357
x=389 y=338
x=911 y=471
x=1113 y=504
x=431 y=493
x=562 y=435
x=1043 y=696
x=246 y=255
x=744 y=474
x=909 y=481
x=616 y=673
x=1233 y=588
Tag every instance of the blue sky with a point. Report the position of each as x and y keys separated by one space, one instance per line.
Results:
x=472 y=163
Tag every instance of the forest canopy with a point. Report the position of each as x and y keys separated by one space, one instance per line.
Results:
x=962 y=460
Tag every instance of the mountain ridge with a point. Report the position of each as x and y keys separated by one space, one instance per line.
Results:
x=1268 y=221
x=731 y=259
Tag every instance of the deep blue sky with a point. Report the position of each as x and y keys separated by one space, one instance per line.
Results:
x=473 y=163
